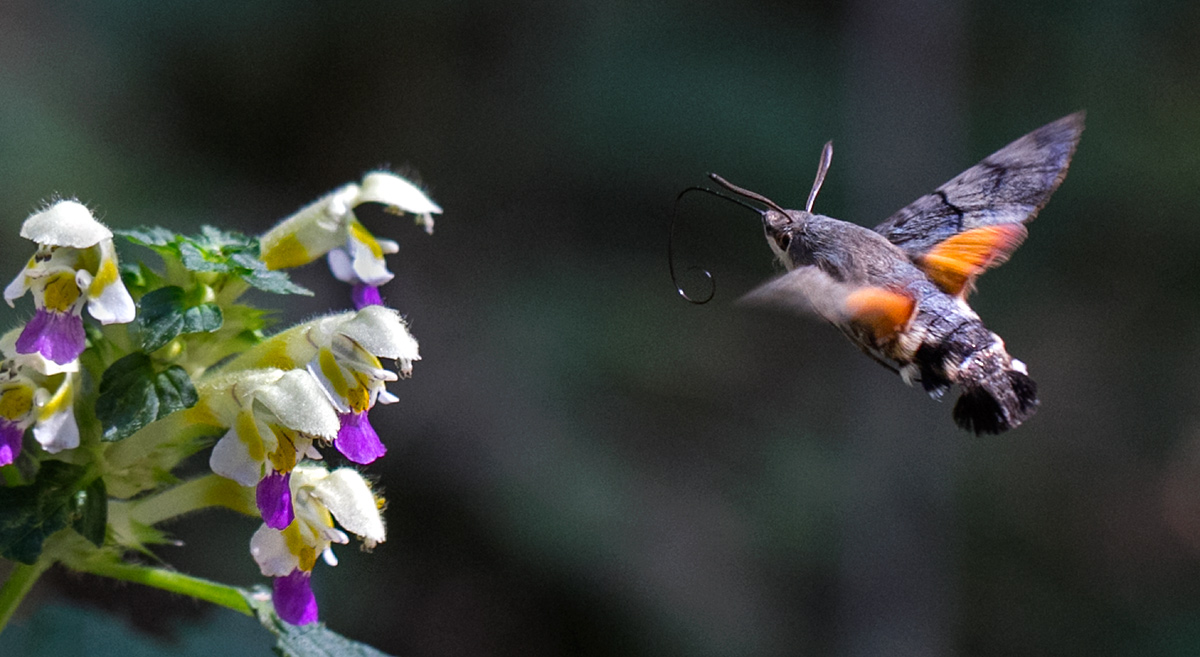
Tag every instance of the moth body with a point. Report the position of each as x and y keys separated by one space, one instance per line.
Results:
x=940 y=342
x=899 y=291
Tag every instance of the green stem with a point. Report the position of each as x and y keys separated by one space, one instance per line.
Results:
x=11 y=475
x=176 y=273
x=169 y=580
x=18 y=584
x=232 y=289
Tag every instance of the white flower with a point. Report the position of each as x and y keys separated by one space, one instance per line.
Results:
x=398 y=196
x=55 y=428
x=75 y=264
x=319 y=497
x=37 y=392
x=273 y=417
x=342 y=353
x=70 y=238
x=365 y=335
x=289 y=554
x=328 y=226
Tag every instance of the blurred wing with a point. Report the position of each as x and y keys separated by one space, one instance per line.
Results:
x=809 y=290
x=1007 y=188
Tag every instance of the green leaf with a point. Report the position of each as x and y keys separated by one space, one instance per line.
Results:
x=202 y=318
x=133 y=394
x=151 y=236
x=92 y=506
x=138 y=278
x=255 y=272
x=217 y=251
x=197 y=259
x=214 y=238
x=133 y=275
x=275 y=282
x=313 y=640
x=165 y=315
x=30 y=514
x=316 y=640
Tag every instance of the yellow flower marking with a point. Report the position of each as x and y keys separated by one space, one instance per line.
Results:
x=107 y=275
x=359 y=397
x=274 y=353
x=16 y=402
x=359 y=232
x=298 y=546
x=284 y=457
x=61 y=400
x=287 y=252
x=333 y=372
x=247 y=432
x=60 y=292
x=367 y=357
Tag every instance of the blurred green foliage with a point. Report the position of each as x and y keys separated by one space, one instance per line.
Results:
x=584 y=464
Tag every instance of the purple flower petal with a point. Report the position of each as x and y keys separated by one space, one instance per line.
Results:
x=357 y=440
x=10 y=441
x=294 y=599
x=365 y=295
x=57 y=336
x=274 y=497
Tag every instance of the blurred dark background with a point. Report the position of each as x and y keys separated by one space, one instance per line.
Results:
x=583 y=463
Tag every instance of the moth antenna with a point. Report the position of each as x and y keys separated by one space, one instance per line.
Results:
x=747 y=193
x=826 y=158
x=712 y=283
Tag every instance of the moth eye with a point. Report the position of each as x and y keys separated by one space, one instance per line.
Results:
x=783 y=240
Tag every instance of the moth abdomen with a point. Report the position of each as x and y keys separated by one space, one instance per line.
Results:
x=996 y=396
x=997 y=393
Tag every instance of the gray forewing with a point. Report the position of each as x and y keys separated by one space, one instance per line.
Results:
x=1009 y=186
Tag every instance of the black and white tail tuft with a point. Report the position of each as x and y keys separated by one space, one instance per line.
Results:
x=997 y=402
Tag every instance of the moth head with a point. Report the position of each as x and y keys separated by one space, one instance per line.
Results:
x=781 y=226
x=785 y=231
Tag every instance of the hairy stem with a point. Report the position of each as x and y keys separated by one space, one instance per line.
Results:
x=18 y=584
x=169 y=580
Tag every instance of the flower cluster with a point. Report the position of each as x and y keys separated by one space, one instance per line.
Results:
x=313 y=384
x=177 y=362
x=75 y=265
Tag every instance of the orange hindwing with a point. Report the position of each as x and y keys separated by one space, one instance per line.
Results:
x=955 y=262
x=885 y=312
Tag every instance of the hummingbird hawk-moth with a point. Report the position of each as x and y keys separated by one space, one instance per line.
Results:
x=899 y=291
